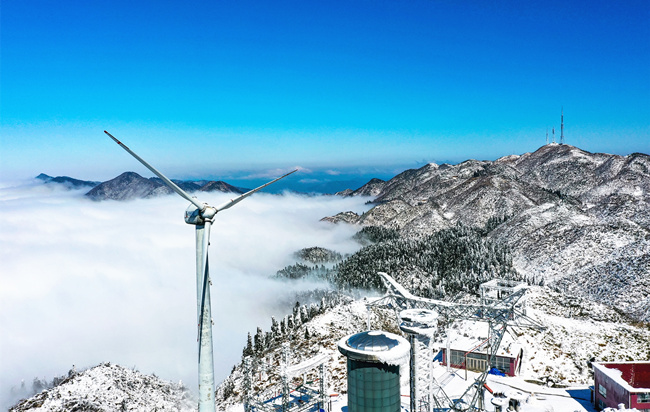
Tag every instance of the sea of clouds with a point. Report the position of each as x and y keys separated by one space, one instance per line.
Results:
x=85 y=282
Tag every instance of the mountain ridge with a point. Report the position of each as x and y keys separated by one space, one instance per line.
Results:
x=130 y=185
x=571 y=215
x=67 y=181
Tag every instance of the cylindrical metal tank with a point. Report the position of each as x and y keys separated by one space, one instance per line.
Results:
x=374 y=359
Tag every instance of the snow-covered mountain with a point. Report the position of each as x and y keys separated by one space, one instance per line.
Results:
x=576 y=220
x=130 y=185
x=108 y=387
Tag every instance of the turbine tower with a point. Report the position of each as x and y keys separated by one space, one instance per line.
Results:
x=201 y=215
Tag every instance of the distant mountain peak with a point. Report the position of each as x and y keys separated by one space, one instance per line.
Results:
x=220 y=186
x=372 y=188
x=130 y=185
x=69 y=182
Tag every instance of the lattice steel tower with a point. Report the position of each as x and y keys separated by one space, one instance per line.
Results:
x=420 y=325
x=562 y=127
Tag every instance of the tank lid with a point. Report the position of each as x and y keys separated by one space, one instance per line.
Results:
x=372 y=341
x=375 y=346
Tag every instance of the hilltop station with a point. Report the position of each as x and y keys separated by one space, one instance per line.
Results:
x=449 y=357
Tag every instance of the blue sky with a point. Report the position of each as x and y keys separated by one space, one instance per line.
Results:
x=218 y=89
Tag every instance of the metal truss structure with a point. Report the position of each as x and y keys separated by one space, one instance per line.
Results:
x=306 y=397
x=420 y=325
x=501 y=312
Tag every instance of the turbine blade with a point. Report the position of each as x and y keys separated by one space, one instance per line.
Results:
x=238 y=199
x=162 y=177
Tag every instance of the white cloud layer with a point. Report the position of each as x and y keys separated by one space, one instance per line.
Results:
x=86 y=282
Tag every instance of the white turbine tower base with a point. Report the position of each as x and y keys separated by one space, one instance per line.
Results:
x=201 y=215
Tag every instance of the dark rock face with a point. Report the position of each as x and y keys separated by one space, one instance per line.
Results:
x=576 y=220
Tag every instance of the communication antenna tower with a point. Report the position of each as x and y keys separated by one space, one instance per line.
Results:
x=547 y=135
x=553 y=134
x=562 y=127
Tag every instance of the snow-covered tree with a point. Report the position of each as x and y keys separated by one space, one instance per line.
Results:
x=248 y=349
x=259 y=342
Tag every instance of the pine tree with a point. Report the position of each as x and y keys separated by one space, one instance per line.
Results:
x=259 y=342
x=38 y=385
x=248 y=349
x=304 y=314
x=268 y=340
x=313 y=311
x=283 y=326
x=275 y=328
x=296 y=314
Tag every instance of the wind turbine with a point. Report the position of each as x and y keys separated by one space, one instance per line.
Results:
x=201 y=215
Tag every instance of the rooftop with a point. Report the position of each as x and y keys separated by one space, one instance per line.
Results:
x=636 y=374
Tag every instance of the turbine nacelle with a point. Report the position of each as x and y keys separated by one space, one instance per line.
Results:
x=196 y=216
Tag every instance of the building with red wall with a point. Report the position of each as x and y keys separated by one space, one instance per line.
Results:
x=477 y=361
x=467 y=346
x=626 y=383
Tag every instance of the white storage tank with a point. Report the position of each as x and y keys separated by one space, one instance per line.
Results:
x=374 y=359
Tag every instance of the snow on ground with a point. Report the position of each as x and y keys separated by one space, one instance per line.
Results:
x=540 y=398
x=578 y=331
